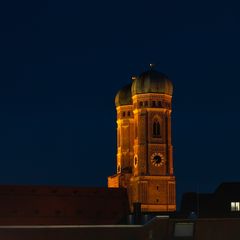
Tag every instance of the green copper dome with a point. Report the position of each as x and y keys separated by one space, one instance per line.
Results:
x=124 y=96
x=152 y=82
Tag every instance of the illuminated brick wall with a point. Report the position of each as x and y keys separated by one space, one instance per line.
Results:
x=144 y=152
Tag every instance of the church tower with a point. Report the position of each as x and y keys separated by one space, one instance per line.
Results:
x=144 y=151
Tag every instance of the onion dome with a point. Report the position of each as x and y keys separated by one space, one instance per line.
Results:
x=152 y=82
x=124 y=96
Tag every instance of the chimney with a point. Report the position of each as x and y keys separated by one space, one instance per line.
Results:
x=137 y=214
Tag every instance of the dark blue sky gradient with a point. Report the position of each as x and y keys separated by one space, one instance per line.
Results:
x=62 y=63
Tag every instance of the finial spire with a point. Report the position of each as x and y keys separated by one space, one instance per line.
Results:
x=152 y=65
x=134 y=78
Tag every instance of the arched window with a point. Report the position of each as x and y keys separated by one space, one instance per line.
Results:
x=156 y=129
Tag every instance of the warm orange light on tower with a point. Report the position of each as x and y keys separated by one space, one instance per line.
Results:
x=144 y=149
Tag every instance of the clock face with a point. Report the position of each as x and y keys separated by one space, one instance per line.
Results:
x=157 y=159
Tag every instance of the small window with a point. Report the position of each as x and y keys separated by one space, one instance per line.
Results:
x=156 y=129
x=153 y=104
x=128 y=113
x=183 y=229
x=157 y=187
x=157 y=200
x=36 y=212
x=78 y=212
x=235 y=206
x=123 y=114
x=159 y=104
x=57 y=212
x=15 y=211
x=146 y=103
x=135 y=161
x=140 y=104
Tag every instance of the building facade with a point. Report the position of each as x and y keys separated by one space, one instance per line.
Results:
x=224 y=202
x=144 y=149
x=58 y=205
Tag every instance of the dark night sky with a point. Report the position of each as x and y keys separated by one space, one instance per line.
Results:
x=62 y=63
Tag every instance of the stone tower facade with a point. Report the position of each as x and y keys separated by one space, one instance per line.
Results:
x=144 y=149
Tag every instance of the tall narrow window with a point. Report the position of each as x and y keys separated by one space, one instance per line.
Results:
x=156 y=129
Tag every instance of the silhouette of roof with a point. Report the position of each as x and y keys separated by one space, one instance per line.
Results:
x=29 y=205
x=229 y=188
